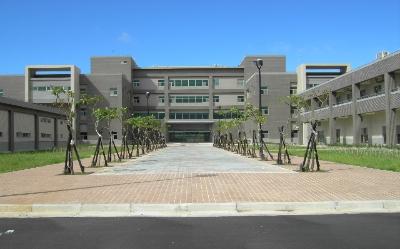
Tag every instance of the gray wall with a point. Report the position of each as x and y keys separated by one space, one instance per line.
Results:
x=13 y=86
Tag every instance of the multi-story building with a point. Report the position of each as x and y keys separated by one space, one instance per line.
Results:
x=361 y=105
x=188 y=99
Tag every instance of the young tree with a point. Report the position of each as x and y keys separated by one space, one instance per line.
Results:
x=65 y=100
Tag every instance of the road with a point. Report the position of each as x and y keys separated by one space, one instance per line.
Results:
x=328 y=231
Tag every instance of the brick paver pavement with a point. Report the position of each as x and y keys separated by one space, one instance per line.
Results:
x=336 y=182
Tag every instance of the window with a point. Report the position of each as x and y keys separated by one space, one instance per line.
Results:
x=264 y=110
x=1 y=133
x=215 y=98
x=82 y=112
x=42 y=88
x=185 y=83
x=240 y=98
x=161 y=82
x=23 y=134
x=161 y=99
x=337 y=135
x=188 y=115
x=124 y=62
x=136 y=83
x=171 y=83
x=216 y=82
x=114 y=134
x=84 y=136
x=192 y=83
x=384 y=134
x=45 y=135
x=113 y=91
x=1 y=92
x=82 y=91
x=264 y=90
x=136 y=99
x=264 y=134
x=199 y=83
x=378 y=89
x=205 y=82
x=293 y=88
x=240 y=82
x=363 y=93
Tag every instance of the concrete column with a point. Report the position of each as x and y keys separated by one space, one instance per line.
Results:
x=55 y=132
x=166 y=97
x=36 y=132
x=210 y=97
x=166 y=106
x=389 y=112
x=332 y=120
x=356 y=117
x=11 y=131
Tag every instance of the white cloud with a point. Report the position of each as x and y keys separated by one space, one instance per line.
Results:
x=124 y=37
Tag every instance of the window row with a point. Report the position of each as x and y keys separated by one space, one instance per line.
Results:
x=188 y=115
x=239 y=82
x=156 y=115
x=48 y=88
x=160 y=83
x=183 y=83
x=188 y=99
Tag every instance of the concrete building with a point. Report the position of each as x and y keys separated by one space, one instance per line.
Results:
x=362 y=105
x=186 y=98
x=25 y=126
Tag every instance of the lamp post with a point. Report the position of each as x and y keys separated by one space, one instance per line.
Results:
x=147 y=99
x=259 y=63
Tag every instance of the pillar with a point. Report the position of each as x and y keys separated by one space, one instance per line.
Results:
x=11 y=131
x=36 y=132
x=356 y=117
x=389 y=112
x=332 y=119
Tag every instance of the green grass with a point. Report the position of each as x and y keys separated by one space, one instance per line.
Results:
x=25 y=160
x=371 y=157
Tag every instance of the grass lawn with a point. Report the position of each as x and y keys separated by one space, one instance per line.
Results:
x=371 y=157
x=25 y=160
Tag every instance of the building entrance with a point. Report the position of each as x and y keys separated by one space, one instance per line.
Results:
x=190 y=136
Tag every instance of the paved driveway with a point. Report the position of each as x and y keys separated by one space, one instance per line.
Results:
x=193 y=158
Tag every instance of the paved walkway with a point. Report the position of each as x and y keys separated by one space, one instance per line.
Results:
x=193 y=158
x=178 y=175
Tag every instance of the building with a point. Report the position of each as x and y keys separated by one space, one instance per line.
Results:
x=361 y=107
x=25 y=126
x=188 y=99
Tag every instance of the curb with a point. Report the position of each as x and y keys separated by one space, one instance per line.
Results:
x=199 y=209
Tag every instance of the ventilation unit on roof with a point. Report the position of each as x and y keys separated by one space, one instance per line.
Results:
x=381 y=55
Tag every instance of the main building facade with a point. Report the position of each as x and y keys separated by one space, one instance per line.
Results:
x=189 y=99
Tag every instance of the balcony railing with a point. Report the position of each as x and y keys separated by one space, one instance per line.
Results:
x=343 y=101
x=371 y=95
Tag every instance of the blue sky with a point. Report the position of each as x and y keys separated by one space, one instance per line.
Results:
x=195 y=32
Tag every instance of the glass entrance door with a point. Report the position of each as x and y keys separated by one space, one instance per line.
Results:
x=189 y=136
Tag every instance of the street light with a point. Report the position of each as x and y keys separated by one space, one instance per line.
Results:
x=259 y=63
x=147 y=98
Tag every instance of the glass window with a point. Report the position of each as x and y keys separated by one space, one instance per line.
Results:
x=171 y=83
x=240 y=82
x=178 y=83
x=264 y=90
x=216 y=99
x=161 y=115
x=240 y=98
x=161 y=82
x=178 y=115
x=192 y=99
x=113 y=92
x=193 y=116
x=264 y=110
x=185 y=82
x=136 y=82
x=185 y=115
x=136 y=99
x=205 y=98
x=161 y=99
x=42 y=88
x=1 y=92
x=199 y=99
x=178 y=99
x=172 y=115
x=171 y=99
x=199 y=83
x=205 y=82
x=192 y=83
x=216 y=82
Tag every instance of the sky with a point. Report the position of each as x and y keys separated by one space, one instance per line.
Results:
x=195 y=33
